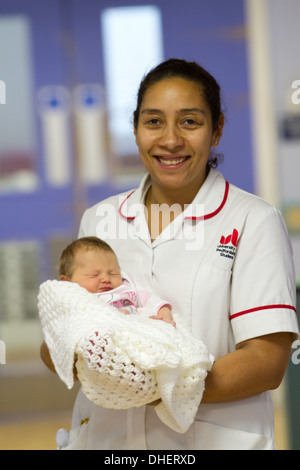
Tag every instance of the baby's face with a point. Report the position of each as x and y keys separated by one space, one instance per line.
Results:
x=96 y=270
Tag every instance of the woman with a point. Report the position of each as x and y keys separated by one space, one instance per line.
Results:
x=220 y=255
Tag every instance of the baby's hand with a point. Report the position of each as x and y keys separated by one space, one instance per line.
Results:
x=164 y=314
x=126 y=312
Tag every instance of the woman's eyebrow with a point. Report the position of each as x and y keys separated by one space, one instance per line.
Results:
x=184 y=110
x=192 y=110
x=151 y=111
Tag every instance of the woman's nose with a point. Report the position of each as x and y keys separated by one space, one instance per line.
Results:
x=171 y=137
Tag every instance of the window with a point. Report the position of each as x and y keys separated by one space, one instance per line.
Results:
x=17 y=143
x=132 y=45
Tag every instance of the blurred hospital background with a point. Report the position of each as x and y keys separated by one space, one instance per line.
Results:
x=69 y=72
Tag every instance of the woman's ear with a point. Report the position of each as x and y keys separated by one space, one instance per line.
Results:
x=219 y=131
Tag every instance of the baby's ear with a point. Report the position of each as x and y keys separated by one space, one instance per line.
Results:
x=63 y=277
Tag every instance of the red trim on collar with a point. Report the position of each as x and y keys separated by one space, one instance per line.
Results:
x=120 y=208
x=202 y=217
x=212 y=214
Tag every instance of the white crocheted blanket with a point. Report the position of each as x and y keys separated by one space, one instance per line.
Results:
x=123 y=360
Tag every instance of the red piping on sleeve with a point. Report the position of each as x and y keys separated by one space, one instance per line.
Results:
x=266 y=307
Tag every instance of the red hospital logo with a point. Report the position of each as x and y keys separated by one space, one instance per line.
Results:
x=230 y=238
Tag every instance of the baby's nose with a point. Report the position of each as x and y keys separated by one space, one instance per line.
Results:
x=104 y=277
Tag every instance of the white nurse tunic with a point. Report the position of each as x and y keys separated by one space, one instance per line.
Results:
x=226 y=266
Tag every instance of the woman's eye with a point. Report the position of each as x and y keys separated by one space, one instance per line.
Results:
x=152 y=122
x=190 y=122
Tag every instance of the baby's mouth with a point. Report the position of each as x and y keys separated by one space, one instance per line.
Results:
x=104 y=289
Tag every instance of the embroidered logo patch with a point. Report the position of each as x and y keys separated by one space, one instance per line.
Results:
x=228 y=244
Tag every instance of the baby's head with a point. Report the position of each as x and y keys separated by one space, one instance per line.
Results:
x=91 y=263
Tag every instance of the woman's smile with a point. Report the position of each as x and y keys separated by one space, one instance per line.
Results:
x=172 y=162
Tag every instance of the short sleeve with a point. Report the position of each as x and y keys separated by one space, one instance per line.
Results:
x=263 y=299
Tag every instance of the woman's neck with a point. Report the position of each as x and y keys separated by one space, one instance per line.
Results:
x=179 y=196
x=163 y=207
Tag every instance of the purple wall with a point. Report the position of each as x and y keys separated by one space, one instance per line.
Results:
x=67 y=51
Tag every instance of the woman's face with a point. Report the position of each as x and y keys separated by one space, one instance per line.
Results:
x=175 y=134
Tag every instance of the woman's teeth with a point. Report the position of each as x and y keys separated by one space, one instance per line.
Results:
x=167 y=162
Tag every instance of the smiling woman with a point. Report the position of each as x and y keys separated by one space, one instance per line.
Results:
x=177 y=122
x=174 y=138
x=241 y=303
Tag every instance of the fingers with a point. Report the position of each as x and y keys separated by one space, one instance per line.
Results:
x=166 y=320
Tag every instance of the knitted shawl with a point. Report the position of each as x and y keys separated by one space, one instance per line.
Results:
x=122 y=360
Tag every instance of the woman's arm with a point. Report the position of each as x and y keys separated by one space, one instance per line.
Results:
x=46 y=358
x=255 y=366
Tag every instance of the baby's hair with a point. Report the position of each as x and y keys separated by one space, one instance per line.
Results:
x=66 y=263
